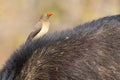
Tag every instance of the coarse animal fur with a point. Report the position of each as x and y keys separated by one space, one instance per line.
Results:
x=88 y=52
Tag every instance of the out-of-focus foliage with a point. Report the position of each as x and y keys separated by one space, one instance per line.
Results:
x=17 y=17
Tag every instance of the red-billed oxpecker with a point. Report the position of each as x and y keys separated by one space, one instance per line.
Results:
x=41 y=27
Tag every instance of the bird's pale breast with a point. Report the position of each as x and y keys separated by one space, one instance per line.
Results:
x=44 y=30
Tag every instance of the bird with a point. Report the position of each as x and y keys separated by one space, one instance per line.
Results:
x=41 y=27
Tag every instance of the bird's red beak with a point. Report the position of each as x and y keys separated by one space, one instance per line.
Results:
x=50 y=14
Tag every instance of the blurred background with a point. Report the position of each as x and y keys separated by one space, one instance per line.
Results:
x=17 y=18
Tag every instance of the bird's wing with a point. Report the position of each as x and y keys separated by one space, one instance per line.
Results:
x=38 y=26
x=36 y=30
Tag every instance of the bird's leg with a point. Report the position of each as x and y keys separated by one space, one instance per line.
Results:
x=32 y=35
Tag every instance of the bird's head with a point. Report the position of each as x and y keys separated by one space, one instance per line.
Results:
x=46 y=16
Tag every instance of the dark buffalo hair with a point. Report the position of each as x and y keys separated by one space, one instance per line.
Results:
x=88 y=52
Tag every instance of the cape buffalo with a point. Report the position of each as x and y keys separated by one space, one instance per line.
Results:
x=88 y=52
